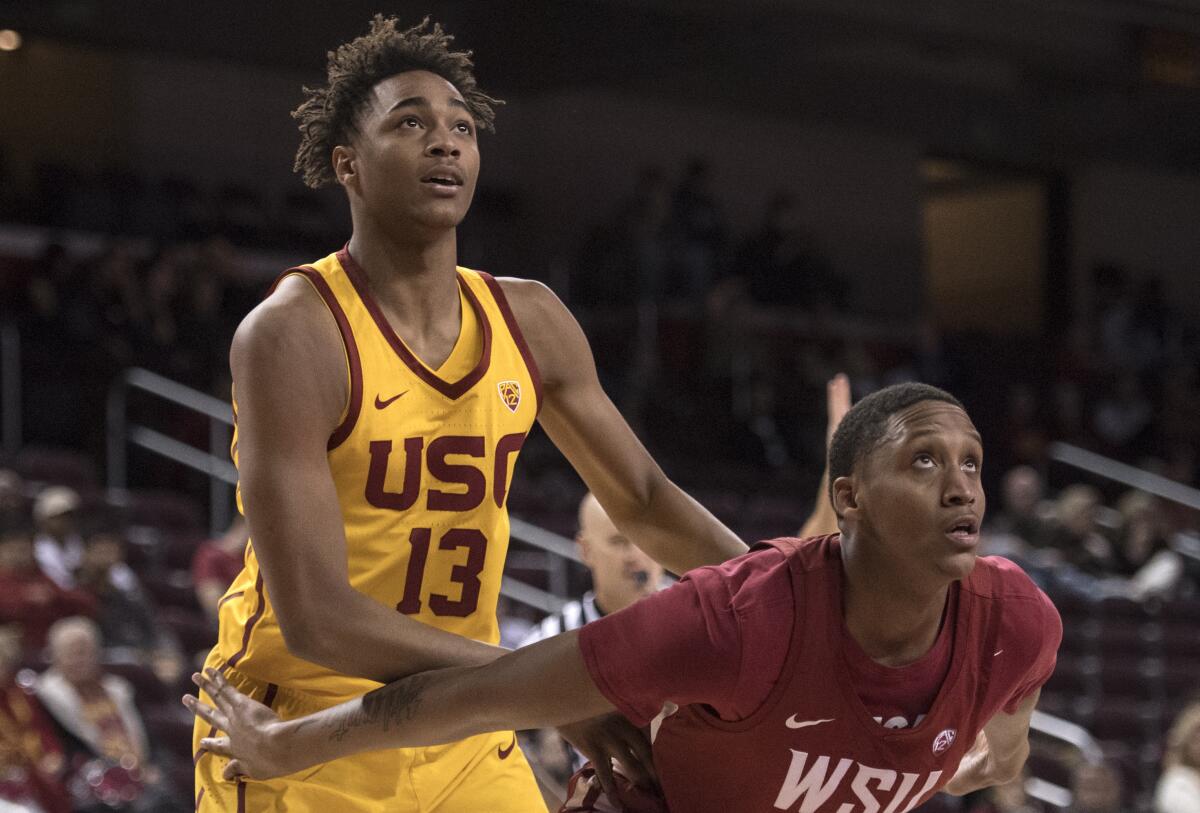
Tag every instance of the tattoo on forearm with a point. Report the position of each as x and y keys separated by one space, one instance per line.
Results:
x=395 y=703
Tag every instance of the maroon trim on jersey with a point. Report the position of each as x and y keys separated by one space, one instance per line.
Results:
x=354 y=406
x=269 y=697
x=231 y=597
x=518 y=336
x=241 y=796
x=199 y=798
x=451 y=390
x=262 y=606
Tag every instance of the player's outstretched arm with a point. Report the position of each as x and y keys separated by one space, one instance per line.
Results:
x=435 y=707
x=823 y=519
x=290 y=385
x=585 y=425
x=999 y=752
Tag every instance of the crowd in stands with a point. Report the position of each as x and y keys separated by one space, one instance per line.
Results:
x=91 y=663
x=734 y=333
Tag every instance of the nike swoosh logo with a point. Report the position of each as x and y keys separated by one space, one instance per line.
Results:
x=381 y=404
x=504 y=752
x=792 y=722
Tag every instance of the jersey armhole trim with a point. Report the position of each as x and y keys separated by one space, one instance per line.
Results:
x=349 y=346
x=515 y=330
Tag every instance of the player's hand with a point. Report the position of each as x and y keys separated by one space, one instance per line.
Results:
x=610 y=736
x=837 y=404
x=253 y=733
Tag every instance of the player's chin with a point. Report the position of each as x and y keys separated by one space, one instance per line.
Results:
x=958 y=565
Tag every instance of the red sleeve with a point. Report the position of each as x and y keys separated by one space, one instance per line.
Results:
x=719 y=637
x=1041 y=622
x=682 y=644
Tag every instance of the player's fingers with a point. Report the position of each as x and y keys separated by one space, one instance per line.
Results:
x=233 y=770
x=217 y=745
x=207 y=713
x=604 y=773
x=643 y=757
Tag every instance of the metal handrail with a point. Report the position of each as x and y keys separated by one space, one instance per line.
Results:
x=122 y=434
x=1125 y=474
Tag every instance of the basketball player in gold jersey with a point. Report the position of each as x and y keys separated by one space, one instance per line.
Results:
x=382 y=395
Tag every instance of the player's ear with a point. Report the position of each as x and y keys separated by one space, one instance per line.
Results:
x=345 y=165
x=585 y=550
x=845 y=498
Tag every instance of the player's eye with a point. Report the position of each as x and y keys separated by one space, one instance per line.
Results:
x=923 y=461
x=410 y=122
x=464 y=127
x=971 y=465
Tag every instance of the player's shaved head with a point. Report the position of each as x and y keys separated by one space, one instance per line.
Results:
x=866 y=424
x=328 y=116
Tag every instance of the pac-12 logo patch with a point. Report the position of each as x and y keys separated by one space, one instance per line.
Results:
x=510 y=394
x=944 y=740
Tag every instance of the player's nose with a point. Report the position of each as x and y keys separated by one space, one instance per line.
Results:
x=440 y=144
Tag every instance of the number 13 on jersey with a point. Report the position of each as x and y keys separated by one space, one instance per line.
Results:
x=466 y=574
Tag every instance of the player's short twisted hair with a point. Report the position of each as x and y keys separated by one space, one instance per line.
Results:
x=865 y=424
x=329 y=113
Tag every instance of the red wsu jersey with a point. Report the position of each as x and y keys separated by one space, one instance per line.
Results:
x=813 y=746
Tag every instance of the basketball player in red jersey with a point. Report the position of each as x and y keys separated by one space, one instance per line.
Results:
x=864 y=671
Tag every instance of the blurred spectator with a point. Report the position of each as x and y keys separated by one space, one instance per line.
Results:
x=1178 y=788
x=1020 y=513
x=1076 y=534
x=32 y=763
x=58 y=545
x=126 y=617
x=100 y=725
x=216 y=564
x=28 y=597
x=1143 y=555
x=1095 y=788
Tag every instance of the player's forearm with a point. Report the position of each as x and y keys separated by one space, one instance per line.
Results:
x=366 y=639
x=980 y=768
x=678 y=532
x=446 y=705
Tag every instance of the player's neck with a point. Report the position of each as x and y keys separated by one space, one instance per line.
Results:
x=894 y=622
x=409 y=276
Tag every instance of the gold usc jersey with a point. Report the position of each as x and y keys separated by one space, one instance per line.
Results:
x=422 y=461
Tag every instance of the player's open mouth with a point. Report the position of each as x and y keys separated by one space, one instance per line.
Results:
x=442 y=180
x=965 y=531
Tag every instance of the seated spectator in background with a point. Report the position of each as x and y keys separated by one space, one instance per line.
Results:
x=1178 y=788
x=125 y=614
x=216 y=563
x=58 y=545
x=1076 y=534
x=1144 y=555
x=32 y=764
x=1095 y=788
x=99 y=723
x=1020 y=514
x=28 y=597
